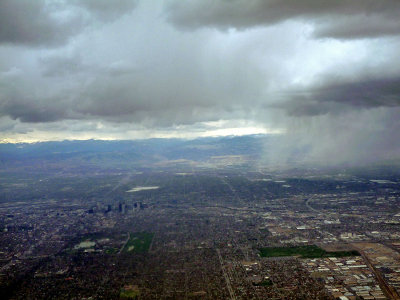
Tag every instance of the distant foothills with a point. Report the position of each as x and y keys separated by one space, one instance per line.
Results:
x=169 y=148
x=128 y=154
x=251 y=152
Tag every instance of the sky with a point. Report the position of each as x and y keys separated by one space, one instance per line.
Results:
x=321 y=74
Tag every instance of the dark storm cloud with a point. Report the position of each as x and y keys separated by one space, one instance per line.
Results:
x=359 y=26
x=105 y=9
x=32 y=110
x=340 y=19
x=18 y=101
x=26 y=22
x=52 y=23
x=334 y=97
x=30 y=100
x=116 y=92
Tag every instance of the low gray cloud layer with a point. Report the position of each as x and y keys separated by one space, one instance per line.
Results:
x=31 y=23
x=337 y=97
x=321 y=71
x=53 y=23
x=338 y=19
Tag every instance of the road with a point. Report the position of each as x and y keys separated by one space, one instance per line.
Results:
x=308 y=204
x=127 y=239
x=228 y=282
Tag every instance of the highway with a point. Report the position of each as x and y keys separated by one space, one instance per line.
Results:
x=228 y=282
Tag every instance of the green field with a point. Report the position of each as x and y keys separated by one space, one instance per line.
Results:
x=310 y=251
x=139 y=242
x=265 y=282
x=111 y=250
x=129 y=294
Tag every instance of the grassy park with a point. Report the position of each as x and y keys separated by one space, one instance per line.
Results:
x=139 y=242
x=309 y=251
